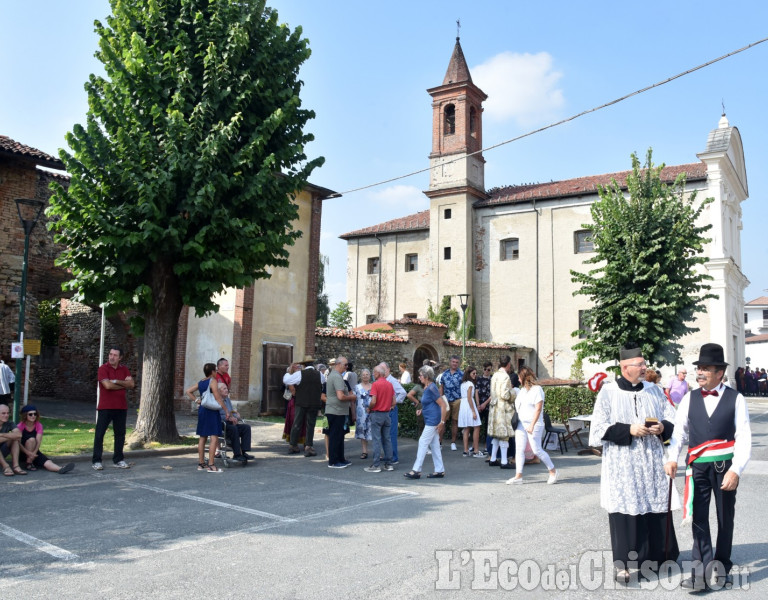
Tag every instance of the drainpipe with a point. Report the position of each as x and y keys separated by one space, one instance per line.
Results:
x=381 y=266
x=538 y=355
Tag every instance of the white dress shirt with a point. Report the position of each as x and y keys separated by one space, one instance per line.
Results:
x=742 y=450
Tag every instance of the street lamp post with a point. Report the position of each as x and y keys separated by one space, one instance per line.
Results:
x=29 y=213
x=463 y=299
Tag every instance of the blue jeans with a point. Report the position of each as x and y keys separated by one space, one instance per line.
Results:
x=380 y=430
x=393 y=432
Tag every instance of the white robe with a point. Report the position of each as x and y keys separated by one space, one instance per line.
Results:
x=632 y=481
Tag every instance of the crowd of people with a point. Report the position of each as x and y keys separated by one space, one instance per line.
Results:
x=752 y=382
x=507 y=408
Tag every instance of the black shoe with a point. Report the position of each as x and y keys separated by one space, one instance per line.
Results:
x=66 y=468
x=494 y=463
x=240 y=458
x=696 y=584
x=507 y=466
x=248 y=456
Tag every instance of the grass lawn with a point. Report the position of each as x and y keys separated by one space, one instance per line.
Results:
x=62 y=437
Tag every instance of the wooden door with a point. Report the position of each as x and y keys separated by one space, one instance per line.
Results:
x=277 y=358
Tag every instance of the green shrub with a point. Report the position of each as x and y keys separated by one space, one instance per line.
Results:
x=564 y=402
x=406 y=416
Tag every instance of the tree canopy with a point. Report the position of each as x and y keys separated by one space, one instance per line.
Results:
x=649 y=282
x=182 y=177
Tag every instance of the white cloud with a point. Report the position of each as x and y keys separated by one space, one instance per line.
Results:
x=520 y=87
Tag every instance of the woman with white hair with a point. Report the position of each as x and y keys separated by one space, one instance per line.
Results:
x=434 y=408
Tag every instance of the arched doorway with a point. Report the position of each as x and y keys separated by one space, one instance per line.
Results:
x=422 y=353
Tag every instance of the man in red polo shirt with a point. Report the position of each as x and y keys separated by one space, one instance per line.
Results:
x=222 y=372
x=114 y=379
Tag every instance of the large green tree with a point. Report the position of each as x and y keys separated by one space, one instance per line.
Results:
x=648 y=283
x=182 y=178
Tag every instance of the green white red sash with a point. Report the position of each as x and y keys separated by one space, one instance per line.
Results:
x=711 y=451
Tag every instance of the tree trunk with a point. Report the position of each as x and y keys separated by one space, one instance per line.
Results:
x=157 y=421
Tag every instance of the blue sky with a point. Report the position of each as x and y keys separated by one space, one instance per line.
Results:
x=539 y=62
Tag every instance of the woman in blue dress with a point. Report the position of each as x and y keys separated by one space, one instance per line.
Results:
x=208 y=421
x=363 y=425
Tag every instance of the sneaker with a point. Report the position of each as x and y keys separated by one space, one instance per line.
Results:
x=336 y=466
x=389 y=467
x=346 y=463
x=453 y=446
x=471 y=449
x=514 y=481
x=478 y=455
x=372 y=469
x=552 y=478
x=466 y=454
x=429 y=451
x=97 y=466
x=122 y=465
x=395 y=462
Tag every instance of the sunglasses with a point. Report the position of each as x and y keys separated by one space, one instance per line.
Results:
x=32 y=414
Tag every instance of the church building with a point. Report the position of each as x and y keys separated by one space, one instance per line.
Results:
x=512 y=248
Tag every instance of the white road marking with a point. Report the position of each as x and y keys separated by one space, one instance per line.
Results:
x=392 y=490
x=235 y=507
x=37 y=544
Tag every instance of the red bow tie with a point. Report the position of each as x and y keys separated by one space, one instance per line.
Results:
x=705 y=393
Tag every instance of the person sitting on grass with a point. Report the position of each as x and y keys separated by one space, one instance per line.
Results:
x=9 y=444
x=31 y=439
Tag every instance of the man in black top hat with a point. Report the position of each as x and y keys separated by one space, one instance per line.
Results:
x=714 y=421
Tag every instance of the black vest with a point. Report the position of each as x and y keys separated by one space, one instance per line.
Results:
x=720 y=426
x=309 y=389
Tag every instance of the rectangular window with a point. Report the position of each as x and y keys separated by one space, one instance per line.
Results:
x=410 y=316
x=746 y=319
x=447 y=253
x=370 y=319
x=373 y=266
x=411 y=262
x=582 y=326
x=510 y=249
x=447 y=213
x=582 y=242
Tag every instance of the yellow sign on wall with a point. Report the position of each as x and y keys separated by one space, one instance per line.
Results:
x=32 y=347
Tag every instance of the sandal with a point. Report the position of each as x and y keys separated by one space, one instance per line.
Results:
x=364 y=455
x=412 y=475
x=436 y=475
x=201 y=466
x=214 y=469
x=8 y=472
x=31 y=467
x=19 y=471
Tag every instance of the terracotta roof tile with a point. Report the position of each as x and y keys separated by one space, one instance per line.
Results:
x=373 y=327
x=357 y=335
x=406 y=321
x=472 y=344
x=415 y=222
x=754 y=339
x=761 y=301
x=9 y=146
x=580 y=186
x=538 y=191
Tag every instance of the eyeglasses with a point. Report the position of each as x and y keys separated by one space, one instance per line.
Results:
x=32 y=414
x=639 y=365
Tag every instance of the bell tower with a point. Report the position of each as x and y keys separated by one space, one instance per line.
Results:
x=457 y=128
x=456 y=180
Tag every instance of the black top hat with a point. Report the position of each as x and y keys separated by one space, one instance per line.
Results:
x=711 y=354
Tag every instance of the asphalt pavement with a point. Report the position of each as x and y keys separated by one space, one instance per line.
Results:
x=286 y=526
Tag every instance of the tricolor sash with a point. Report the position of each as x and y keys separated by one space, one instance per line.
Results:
x=711 y=451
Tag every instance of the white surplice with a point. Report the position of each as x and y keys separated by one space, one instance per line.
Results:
x=633 y=481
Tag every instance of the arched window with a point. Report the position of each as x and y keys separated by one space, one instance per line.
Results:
x=472 y=120
x=449 y=127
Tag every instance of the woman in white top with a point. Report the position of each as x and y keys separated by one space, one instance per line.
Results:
x=405 y=376
x=469 y=417
x=530 y=409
